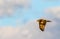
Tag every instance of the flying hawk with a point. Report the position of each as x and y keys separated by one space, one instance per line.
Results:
x=42 y=23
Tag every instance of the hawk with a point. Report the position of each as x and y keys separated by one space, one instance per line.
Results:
x=42 y=23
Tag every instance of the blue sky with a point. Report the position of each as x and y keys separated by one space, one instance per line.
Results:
x=35 y=11
x=25 y=16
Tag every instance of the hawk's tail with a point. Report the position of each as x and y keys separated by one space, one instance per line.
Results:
x=42 y=27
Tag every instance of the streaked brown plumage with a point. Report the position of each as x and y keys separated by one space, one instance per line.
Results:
x=42 y=24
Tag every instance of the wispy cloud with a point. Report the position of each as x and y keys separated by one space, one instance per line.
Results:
x=7 y=6
x=29 y=31
x=55 y=11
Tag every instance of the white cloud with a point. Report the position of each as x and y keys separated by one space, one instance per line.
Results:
x=55 y=11
x=6 y=32
x=29 y=31
x=7 y=6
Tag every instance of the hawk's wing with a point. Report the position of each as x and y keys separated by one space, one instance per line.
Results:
x=48 y=21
